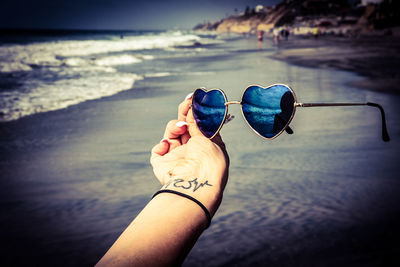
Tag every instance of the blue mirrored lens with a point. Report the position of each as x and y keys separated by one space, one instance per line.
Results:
x=268 y=110
x=208 y=111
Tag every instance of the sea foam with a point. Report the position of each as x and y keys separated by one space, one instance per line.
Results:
x=63 y=93
x=55 y=74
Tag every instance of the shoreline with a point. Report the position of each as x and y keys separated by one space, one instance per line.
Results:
x=376 y=59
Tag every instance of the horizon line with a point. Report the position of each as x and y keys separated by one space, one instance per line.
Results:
x=21 y=29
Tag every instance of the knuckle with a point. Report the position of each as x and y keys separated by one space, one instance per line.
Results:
x=153 y=151
x=171 y=123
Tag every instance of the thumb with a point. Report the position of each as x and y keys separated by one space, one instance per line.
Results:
x=192 y=126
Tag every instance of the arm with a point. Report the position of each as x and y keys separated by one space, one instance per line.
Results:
x=161 y=235
x=167 y=228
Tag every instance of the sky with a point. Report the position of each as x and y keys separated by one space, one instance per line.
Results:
x=118 y=14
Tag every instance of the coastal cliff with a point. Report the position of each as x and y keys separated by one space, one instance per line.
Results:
x=303 y=16
x=255 y=21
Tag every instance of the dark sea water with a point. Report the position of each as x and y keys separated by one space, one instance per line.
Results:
x=81 y=111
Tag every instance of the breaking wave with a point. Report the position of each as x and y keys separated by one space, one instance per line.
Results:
x=55 y=74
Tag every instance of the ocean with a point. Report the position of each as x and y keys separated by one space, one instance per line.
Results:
x=81 y=110
x=49 y=70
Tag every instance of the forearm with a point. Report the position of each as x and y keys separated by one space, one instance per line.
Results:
x=161 y=235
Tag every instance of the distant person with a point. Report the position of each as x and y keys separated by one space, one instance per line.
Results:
x=193 y=171
x=275 y=33
x=260 y=36
x=285 y=34
x=316 y=32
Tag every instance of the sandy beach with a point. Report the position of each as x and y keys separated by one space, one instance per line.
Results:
x=374 y=57
x=74 y=178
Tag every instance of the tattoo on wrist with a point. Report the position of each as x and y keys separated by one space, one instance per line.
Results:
x=188 y=185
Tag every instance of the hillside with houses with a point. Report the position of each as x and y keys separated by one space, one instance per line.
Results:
x=305 y=17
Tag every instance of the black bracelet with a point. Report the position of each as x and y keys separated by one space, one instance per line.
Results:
x=188 y=197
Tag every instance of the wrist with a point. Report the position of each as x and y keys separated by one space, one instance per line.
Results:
x=204 y=191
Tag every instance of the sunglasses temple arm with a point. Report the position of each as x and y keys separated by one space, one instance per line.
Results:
x=385 y=134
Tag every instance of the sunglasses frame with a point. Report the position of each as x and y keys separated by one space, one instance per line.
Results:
x=385 y=134
x=227 y=103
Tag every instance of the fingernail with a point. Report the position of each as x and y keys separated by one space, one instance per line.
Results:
x=164 y=140
x=181 y=123
x=189 y=96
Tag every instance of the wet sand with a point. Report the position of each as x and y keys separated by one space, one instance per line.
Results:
x=73 y=179
x=377 y=58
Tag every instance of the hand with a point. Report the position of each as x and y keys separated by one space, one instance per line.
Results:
x=188 y=162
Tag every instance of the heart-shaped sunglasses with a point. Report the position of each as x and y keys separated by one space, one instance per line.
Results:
x=268 y=111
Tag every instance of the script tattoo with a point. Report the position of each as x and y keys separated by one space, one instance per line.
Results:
x=180 y=183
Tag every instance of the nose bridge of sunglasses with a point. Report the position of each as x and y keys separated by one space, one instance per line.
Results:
x=230 y=117
x=232 y=102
